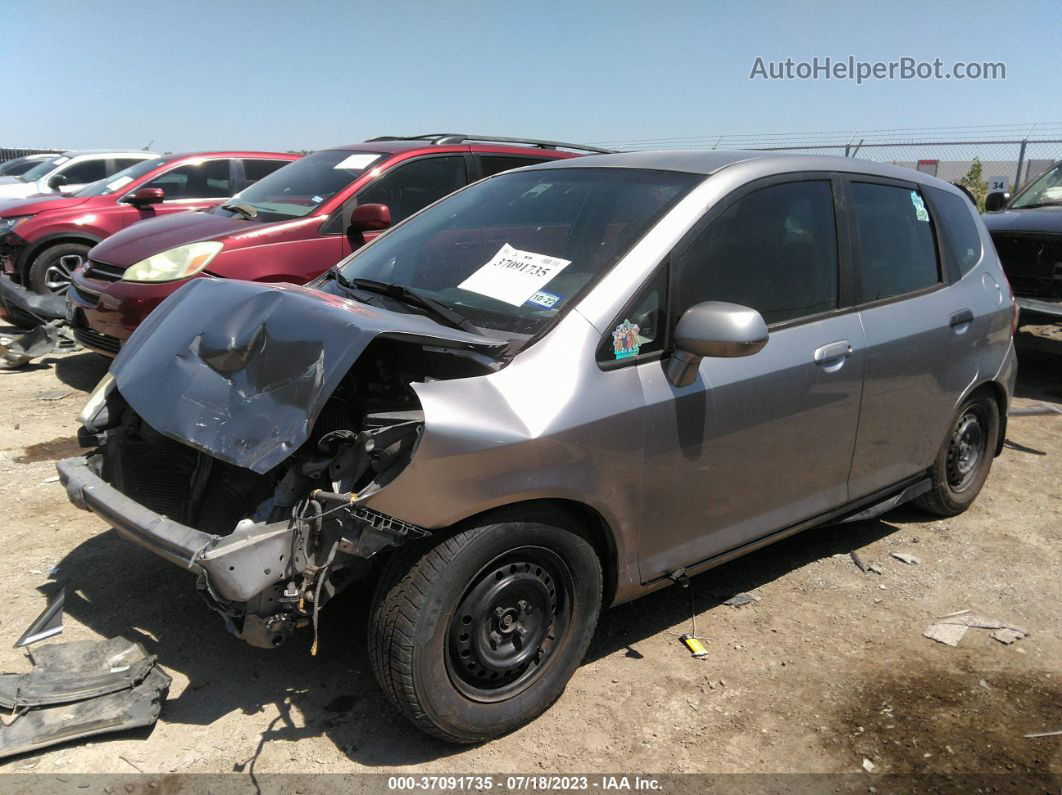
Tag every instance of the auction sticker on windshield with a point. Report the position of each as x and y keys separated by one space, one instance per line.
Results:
x=357 y=161
x=513 y=276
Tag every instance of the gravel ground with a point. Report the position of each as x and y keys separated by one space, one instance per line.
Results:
x=828 y=669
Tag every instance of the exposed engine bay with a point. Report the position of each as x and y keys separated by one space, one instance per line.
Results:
x=270 y=549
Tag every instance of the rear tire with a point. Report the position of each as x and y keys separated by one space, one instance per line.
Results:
x=51 y=270
x=475 y=635
x=965 y=458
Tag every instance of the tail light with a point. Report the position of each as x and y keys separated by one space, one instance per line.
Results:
x=1015 y=310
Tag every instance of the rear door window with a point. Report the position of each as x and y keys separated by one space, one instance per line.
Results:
x=894 y=238
x=414 y=185
x=774 y=250
x=960 y=229
x=208 y=179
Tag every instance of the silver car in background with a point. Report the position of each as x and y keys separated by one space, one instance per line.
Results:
x=558 y=389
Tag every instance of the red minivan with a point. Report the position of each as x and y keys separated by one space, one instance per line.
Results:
x=289 y=227
x=43 y=239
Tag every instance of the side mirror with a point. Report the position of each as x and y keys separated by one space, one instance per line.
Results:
x=145 y=196
x=56 y=182
x=996 y=201
x=370 y=218
x=714 y=328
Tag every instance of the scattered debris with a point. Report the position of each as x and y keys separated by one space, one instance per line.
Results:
x=53 y=479
x=1032 y=411
x=58 y=394
x=1007 y=636
x=903 y=557
x=950 y=629
x=985 y=685
x=874 y=567
x=858 y=561
x=869 y=766
x=948 y=634
x=1055 y=733
x=737 y=600
x=80 y=689
x=47 y=624
x=52 y=337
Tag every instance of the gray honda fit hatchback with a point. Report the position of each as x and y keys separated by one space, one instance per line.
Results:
x=558 y=389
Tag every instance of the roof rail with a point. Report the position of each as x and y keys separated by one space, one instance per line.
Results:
x=441 y=139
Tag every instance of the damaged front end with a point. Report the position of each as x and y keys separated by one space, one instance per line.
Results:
x=240 y=431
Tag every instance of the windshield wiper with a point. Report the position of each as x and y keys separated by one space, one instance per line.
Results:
x=412 y=297
x=244 y=209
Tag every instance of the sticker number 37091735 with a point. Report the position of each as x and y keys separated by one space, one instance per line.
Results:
x=513 y=276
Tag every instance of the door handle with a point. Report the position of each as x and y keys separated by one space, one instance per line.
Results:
x=961 y=318
x=833 y=353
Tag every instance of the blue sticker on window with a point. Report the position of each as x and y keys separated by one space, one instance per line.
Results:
x=625 y=340
x=548 y=300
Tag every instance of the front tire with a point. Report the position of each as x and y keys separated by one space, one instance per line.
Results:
x=51 y=270
x=965 y=458
x=477 y=634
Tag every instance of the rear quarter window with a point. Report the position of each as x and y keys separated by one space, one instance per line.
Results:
x=960 y=229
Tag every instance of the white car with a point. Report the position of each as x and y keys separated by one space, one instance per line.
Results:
x=69 y=172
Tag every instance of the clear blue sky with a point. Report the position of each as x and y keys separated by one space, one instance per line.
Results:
x=285 y=75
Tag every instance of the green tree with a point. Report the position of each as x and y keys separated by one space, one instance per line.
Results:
x=975 y=183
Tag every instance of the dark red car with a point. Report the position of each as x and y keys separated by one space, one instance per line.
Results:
x=289 y=227
x=43 y=239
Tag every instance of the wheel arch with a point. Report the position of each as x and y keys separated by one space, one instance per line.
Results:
x=37 y=247
x=578 y=517
x=998 y=393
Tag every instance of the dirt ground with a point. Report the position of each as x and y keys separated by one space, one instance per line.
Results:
x=828 y=669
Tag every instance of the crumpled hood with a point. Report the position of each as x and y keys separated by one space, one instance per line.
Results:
x=154 y=235
x=42 y=202
x=1037 y=219
x=241 y=369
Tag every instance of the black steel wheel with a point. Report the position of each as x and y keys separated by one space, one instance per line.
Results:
x=965 y=457
x=506 y=627
x=474 y=635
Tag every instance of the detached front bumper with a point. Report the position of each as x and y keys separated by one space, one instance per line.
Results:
x=22 y=304
x=236 y=567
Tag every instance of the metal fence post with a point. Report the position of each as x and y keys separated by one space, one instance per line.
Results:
x=1021 y=162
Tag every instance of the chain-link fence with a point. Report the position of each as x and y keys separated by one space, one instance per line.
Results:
x=976 y=156
x=13 y=152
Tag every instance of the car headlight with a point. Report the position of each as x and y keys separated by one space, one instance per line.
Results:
x=7 y=224
x=93 y=416
x=175 y=264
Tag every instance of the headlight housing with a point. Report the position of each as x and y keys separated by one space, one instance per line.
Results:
x=7 y=224
x=175 y=264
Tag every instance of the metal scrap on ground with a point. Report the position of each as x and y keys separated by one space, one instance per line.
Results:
x=903 y=557
x=737 y=600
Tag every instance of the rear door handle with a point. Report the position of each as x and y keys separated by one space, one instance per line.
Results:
x=961 y=318
x=832 y=354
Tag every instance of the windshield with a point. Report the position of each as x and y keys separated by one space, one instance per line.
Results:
x=1046 y=190
x=116 y=182
x=300 y=188
x=43 y=168
x=12 y=168
x=511 y=252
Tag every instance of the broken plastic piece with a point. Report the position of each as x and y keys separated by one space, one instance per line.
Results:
x=948 y=634
x=737 y=600
x=78 y=690
x=51 y=337
x=47 y=624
